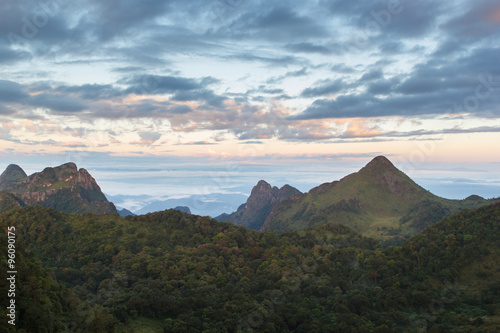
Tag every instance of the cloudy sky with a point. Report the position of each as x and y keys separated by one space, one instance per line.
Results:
x=123 y=87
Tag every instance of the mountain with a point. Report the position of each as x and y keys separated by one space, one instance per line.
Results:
x=63 y=188
x=184 y=209
x=378 y=201
x=259 y=204
x=11 y=177
x=125 y=212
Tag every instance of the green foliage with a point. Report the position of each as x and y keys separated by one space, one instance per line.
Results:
x=187 y=273
x=42 y=304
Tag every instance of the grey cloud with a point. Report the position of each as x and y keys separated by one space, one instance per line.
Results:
x=4 y=110
x=392 y=47
x=342 y=68
x=12 y=92
x=305 y=47
x=150 y=108
x=92 y=91
x=209 y=97
x=113 y=18
x=405 y=18
x=199 y=143
x=367 y=105
x=9 y=56
x=419 y=85
x=477 y=22
x=382 y=87
x=327 y=88
x=150 y=136
x=284 y=61
x=373 y=74
x=276 y=23
x=59 y=103
x=156 y=84
x=128 y=69
x=408 y=20
x=180 y=109
x=277 y=79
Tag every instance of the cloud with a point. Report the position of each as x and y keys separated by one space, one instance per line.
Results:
x=423 y=58
x=110 y=19
x=12 y=92
x=10 y=56
x=305 y=47
x=147 y=138
x=297 y=73
x=326 y=88
x=210 y=99
x=479 y=20
x=58 y=103
x=276 y=23
x=4 y=110
x=92 y=91
x=156 y=84
x=180 y=109
x=199 y=143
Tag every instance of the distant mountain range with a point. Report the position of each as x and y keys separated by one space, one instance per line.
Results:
x=378 y=201
x=212 y=204
x=64 y=188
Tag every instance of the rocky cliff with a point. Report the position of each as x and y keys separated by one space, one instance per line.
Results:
x=63 y=188
x=261 y=201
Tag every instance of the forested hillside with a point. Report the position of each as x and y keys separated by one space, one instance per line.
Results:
x=185 y=273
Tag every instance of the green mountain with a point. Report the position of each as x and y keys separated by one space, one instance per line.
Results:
x=174 y=272
x=63 y=188
x=259 y=204
x=378 y=201
x=11 y=177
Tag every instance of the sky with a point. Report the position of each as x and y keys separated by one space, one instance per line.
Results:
x=166 y=98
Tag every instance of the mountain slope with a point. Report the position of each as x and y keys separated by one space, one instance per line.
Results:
x=259 y=204
x=63 y=188
x=379 y=201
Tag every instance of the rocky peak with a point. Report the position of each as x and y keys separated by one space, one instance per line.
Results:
x=63 y=188
x=262 y=185
x=259 y=204
x=263 y=194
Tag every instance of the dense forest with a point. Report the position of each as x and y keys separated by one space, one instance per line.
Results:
x=176 y=272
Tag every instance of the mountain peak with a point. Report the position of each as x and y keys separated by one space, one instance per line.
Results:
x=70 y=166
x=254 y=212
x=379 y=162
x=263 y=184
x=15 y=168
x=63 y=188
x=12 y=176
